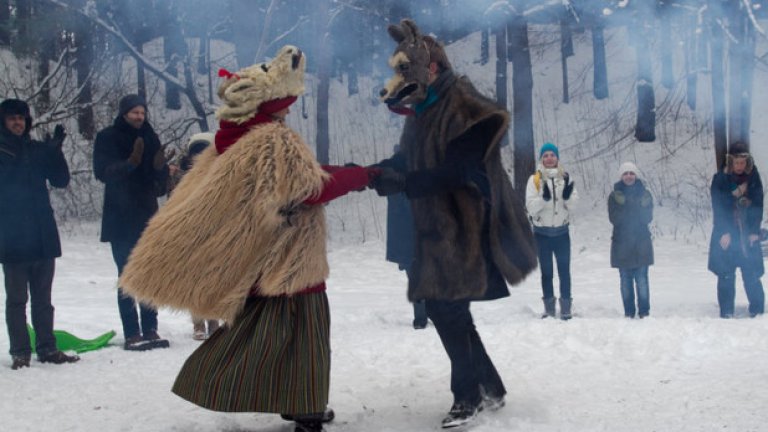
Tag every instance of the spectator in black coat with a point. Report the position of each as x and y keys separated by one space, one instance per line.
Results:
x=630 y=210
x=400 y=237
x=737 y=207
x=129 y=159
x=29 y=238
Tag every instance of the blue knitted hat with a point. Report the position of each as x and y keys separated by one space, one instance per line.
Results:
x=549 y=147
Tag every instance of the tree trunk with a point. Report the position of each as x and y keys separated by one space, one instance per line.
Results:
x=718 y=94
x=566 y=50
x=324 y=60
x=141 y=80
x=740 y=72
x=691 y=74
x=667 y=75
x=5 y=16
x=645 y=127
x=600 y=80
x=485 y=42
x=174 y=49
x=500 y=34
x=522 y=90
x=243 y=17
x=84 y=51
x=46 y=53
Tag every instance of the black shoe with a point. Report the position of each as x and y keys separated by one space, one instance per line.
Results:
x=20 y=362
x=460 y=414
x=58 y=357
x=493 y=403
x=146 y=343
x=326 y=417
x=309 y=426
x=419 y=325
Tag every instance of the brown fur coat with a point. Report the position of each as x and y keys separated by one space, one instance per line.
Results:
x=450 y=263
x=226 y=228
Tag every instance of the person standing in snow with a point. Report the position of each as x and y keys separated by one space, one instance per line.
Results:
x=259 y=261
x=202 y=329
x=400 y=245
x=549 y=196
x=29 y=238
x=128 y=158
x=471 y=233
x=737 y=208
x=630 y=210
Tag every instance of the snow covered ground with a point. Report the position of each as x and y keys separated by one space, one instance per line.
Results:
x=682 y=369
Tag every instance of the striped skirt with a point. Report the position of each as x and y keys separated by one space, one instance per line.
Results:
x=275 y=358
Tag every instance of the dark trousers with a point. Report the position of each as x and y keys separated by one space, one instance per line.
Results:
x=121 y=250
x=419 y=307
x=726 y=292
x=35 y=277
x=471 y=367
x=560 y=247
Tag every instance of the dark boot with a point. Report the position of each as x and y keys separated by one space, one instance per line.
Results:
x=565 y=308
x=20 y=362
x=309 y=426
x=58 y=357
x=326 y=417
x=549 y=307
x=309 y=422
x=460 y=414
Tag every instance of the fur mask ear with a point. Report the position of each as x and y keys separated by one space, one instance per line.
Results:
x=396 y=33
x=411 y=30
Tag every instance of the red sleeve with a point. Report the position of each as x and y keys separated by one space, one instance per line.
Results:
x=343 y=180
x=331 y=168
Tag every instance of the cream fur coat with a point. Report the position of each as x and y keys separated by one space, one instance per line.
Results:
x=236 y=220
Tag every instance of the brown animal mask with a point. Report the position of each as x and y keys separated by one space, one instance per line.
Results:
x=410 y=63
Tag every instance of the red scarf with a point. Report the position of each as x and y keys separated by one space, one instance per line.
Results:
x=229 y=132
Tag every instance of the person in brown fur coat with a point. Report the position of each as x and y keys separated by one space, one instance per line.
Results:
x=472 y=236
x=258 y=261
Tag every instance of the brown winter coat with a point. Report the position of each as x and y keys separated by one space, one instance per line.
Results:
x=450 y=263
x=226 y=227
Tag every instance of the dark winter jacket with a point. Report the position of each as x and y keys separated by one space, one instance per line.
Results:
x=27 y=227
x=130 y=193
x=739 y=218
x=630 y=210
x=471 y=229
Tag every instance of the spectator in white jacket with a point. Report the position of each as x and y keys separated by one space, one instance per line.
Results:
x=549 y=196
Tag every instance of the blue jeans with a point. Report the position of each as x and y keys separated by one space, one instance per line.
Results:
x=125 y=303
x=726 y=292
x=560 y=247
x=631 y=279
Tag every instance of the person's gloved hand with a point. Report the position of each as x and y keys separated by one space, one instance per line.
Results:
x=477 y=177
x=568 y=189
x=743 y=202
x=389 y=182
x=546 y=194
x=619 y=198
x=137 y=152
x=57 y=141
x=158 y=162
x=646 y=200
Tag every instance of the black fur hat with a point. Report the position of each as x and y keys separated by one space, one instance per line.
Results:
x=15 y=107
x=130 y=102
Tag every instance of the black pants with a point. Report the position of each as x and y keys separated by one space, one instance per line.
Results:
x=121 y=250
x=35 y=277
x=560 y=247
x=471 y=367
